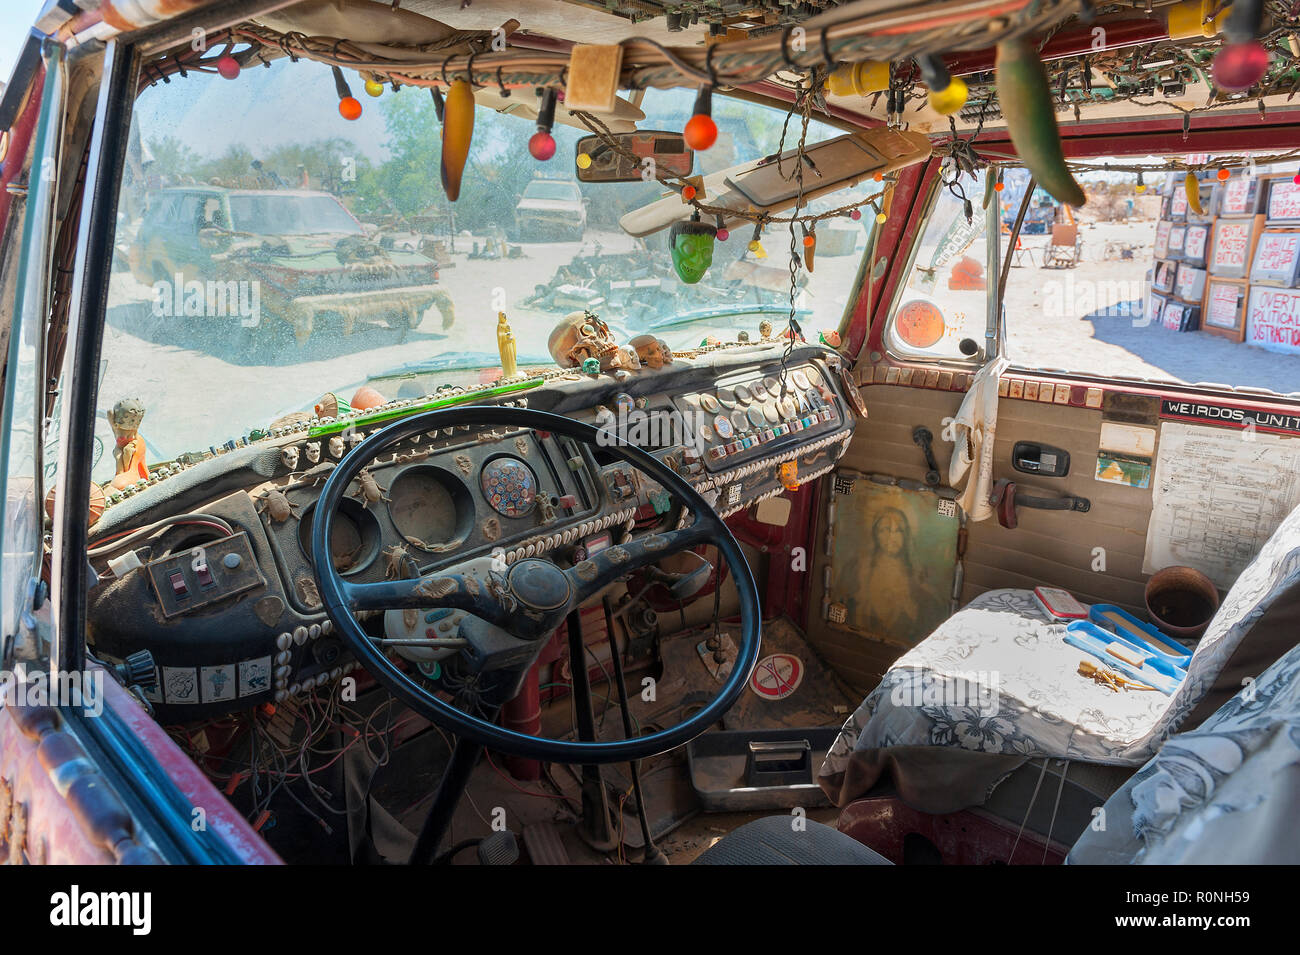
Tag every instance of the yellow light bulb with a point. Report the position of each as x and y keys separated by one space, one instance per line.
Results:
x=374 y=87
x=1141 y=187
x=584 y=161
x=757 y=248
x=880 y=217
x=949 y=99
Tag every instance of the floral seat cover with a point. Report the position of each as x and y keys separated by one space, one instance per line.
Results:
x=997 y=678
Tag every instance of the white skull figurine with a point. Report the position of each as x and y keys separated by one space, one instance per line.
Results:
x=313 y=452
x=336 y=446
x=289 y=456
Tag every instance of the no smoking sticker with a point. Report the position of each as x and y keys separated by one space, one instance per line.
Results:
x=777 y=676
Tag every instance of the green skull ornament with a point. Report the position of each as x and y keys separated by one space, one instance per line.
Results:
x=691 y=244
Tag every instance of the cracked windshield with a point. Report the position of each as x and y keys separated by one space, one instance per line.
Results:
x=275 y=260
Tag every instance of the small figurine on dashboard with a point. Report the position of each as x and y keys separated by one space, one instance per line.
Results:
x=124 y=418
x=506 y=346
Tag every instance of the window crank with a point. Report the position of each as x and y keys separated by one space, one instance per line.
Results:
x=922 y=436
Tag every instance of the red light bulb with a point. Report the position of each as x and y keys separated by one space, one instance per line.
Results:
x=541 y=145
x=701 y=132
x=1239 y=66
x=723 y=235
x=349 y=108
x=855 y=215
x=227 y=66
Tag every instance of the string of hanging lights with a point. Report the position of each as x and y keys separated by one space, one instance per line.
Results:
x=897 y=52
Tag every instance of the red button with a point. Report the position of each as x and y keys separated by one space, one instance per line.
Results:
x=178 y=584
x=205 y=576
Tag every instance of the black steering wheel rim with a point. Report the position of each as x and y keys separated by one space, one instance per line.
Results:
x=476 y=729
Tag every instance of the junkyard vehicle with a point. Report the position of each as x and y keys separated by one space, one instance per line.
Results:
x=301 y=260
x=551 y=206
x=876 y=550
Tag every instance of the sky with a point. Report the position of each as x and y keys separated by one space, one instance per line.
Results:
x=16 y=18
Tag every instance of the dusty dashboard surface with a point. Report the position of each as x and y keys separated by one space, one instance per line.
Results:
x=234 y=619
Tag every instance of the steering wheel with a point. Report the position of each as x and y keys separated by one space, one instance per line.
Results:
x=514 y=609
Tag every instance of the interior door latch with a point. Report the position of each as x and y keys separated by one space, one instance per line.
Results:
x=1005 y=498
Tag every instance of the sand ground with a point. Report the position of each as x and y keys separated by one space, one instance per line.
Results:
x=1040 y=333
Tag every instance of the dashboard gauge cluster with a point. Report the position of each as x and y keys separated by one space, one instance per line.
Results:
x=747 y=418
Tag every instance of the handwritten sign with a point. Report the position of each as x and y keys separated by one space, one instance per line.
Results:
x=1231 y=247
x=1238 y=196
x=1178 y=203
x=1190 y=284
x=1273 y=319
x=1155 y=308
x=1164 y=277
x=1162 y=238
x=1223 y=305
x=1194 y=243
x=1283 y=199
x=1276 y=258
x=1177 y=237
x=1175 y=316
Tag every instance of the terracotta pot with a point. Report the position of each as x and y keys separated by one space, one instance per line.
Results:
x=1181 y=601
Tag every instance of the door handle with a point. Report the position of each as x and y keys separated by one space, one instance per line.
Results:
x=1006 y=497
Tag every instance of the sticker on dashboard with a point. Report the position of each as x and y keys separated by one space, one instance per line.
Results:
x=1276 y=422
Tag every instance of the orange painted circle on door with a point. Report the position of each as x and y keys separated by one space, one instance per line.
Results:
x=919 y=324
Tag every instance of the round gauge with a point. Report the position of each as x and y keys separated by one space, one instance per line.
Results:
x=723 y=426
x=773 y=386
x=509 y=486
x=709 y=403
x=756 y=417
x=727 y=398
x=800 y=379
x=813 y=377
x=429 y=505
x=739 y=420
x=788 y=408
x=624 y=403
x=759 y=391
x=354 y=538
x=771 y=411
x=743 y=395
x=919 y=324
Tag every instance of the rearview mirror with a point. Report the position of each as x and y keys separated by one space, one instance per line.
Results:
x=658 y=153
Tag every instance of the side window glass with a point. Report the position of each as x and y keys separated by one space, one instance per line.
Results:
x=944 y=301
x=25 y=282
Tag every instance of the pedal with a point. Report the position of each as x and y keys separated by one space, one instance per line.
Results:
x=500 y=848
x=719 y=669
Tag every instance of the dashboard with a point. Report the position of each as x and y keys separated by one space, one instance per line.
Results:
x=229 y=610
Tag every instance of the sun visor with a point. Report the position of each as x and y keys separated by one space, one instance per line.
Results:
x=832 y=165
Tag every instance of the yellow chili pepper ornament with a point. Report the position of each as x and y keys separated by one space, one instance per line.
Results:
x=1192 y=186
x=457 y=131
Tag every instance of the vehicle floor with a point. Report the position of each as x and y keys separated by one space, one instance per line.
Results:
x=544 y=812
